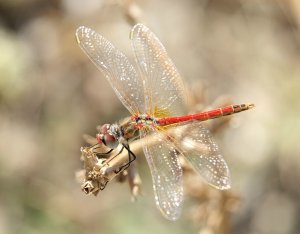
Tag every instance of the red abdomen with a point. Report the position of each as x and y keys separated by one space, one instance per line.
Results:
x=202 y=116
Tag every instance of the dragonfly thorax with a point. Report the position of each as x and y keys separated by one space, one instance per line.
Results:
x=144 y=120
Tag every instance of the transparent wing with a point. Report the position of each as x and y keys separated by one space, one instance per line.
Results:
x=166 y=174
x=164 y=90
x=202 y=152
x=116 y=68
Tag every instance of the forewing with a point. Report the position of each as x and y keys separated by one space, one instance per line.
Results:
x=202 y=152
x=116 y=68
x=166 y=174
x=164 y=89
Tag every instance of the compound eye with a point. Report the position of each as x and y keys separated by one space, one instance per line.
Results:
x=104 y=128
x=99 y=138
x=110 y=141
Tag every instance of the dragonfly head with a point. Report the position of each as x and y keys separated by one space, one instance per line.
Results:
x=107 y=137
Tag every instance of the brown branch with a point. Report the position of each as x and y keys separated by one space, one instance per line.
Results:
x=99 y=171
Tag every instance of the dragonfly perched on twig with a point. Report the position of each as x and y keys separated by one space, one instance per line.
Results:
x=155 y=96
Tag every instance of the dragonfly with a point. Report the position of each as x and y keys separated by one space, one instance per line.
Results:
x=154 y=94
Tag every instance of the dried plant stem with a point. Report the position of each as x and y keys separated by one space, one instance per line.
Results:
x=99 y=171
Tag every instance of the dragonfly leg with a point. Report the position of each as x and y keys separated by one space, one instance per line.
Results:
x=102 y=186
x=96 y=146
x=102 y=154
x=131 y=158
x=115 y=155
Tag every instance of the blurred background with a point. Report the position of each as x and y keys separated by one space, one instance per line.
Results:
x=51 y=94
